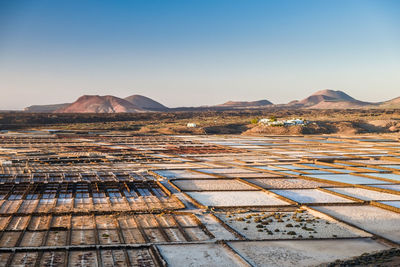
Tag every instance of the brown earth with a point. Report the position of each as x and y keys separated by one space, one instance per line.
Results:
x=329 y=127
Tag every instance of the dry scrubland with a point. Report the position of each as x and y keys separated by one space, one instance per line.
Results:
x=212 y=122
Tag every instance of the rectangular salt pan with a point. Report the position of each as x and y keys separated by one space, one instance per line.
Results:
x=348 y=178
x=236 y=199
x=365 y=194
x=391 y=176
x=394 y=187
x=303 y=252
x=370 y=218
x=311 y=196
x=395 y=204
x=199 y=255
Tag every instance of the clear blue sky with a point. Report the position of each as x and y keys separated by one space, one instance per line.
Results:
x=197 y=52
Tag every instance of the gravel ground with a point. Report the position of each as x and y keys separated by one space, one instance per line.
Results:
x=283 y=225
x=207 y=185
x=311 y=196
x=373 y=219
x=236 y=198
x=303 y=252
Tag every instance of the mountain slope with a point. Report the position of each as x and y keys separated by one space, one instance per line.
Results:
x=45 y=108
x=99 y=104
x=145 y=103
x=331 y=99
x=246 y=103
x=393 y=103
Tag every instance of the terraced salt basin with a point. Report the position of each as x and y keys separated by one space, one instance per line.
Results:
x=236 y=199
x=311 y=196
x=303 y=252
x=392 y=166
x=378 y=221
x=392 y=176
x=287 y=183
x=394 y=187
x=199 y=255
x=212 y=185
x=365 y=194
x=226 y=170
x=182 y=174
x=302 y=223
x=348 y=179
x=395 y=204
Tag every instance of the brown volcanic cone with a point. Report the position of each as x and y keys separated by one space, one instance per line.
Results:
x=145 y=103
x=331 y=99
x=99 y=104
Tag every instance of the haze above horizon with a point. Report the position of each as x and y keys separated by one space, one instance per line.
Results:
x=192 y=53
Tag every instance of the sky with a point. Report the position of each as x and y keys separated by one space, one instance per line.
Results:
x=197 y=52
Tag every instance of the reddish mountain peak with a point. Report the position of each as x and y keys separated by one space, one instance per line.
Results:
x=99 y=104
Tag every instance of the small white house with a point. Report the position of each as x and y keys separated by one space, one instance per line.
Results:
x=191 y=125
x=264 y=121
x=295 y=122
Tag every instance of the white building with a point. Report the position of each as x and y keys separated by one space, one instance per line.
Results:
x=191 y=125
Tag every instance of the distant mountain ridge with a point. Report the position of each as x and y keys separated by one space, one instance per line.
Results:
x=246 y=103
x=323 y=99
x=45 y=108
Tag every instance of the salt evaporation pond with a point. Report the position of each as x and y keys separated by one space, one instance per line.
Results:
x=311 y=196
x=395 y=204
x=212 y=185
x=391 y=176
x=303 y=252
x=394 y=187
x=236 y=199
x=365 y=194
x=199 y=255
x=170 y=174
x=302 y=224
x=370 y=218
x=348 y=178
x=278 y=183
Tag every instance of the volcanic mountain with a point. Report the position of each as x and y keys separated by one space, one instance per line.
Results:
x=100 y=104
x=45 y=108
x=145 y=103
x=244 y=104
x=330 y=99
x=394 y=103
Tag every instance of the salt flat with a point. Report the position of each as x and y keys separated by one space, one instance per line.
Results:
x=209 y=185
x=303 y=253
x=236 y=199
x=199 y=255
x=373 y=219
x=311 y=196
x=365 y=194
